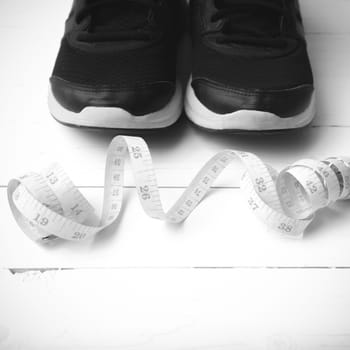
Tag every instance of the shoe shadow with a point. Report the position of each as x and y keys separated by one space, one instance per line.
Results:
x=271 y=143
x=276 y=143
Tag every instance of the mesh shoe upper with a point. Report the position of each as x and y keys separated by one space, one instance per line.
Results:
x=119 y=69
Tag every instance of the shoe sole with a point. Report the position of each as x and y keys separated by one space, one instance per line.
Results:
x=244 y=120
x=118 y=118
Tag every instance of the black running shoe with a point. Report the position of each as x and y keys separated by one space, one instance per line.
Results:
x=116 y=67
x=251 y=69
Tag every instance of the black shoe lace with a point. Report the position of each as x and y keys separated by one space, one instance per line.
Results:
x=251 y=22
x=137 y=26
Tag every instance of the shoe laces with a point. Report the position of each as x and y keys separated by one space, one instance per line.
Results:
x=251 y=22
x=118 y=20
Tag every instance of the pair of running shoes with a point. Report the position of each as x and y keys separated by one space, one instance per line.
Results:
x=117 y=65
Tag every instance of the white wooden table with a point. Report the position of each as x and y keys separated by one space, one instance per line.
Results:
x=219 y=281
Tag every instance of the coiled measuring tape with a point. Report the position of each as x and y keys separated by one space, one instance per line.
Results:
x=48 y=206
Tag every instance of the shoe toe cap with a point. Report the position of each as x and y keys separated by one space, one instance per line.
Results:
x=222 y=99
x=137 y=100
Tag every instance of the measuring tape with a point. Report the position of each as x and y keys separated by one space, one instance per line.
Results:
x=48 y=206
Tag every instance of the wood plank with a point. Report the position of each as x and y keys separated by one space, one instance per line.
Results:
x=30 y=139
x=222 y=232
x=176 y=309
x=178 y=154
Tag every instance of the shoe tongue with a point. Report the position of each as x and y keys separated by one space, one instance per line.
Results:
x=119 y=17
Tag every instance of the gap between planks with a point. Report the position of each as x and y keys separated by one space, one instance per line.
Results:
x=15 y=271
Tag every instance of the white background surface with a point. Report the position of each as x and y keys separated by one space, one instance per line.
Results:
x=219 y=281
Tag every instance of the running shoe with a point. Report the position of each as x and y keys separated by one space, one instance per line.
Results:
x=251 y=69
x=116 y=67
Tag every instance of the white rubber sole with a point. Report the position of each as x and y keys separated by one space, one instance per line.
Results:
x=118 y=118
x=245 y=120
